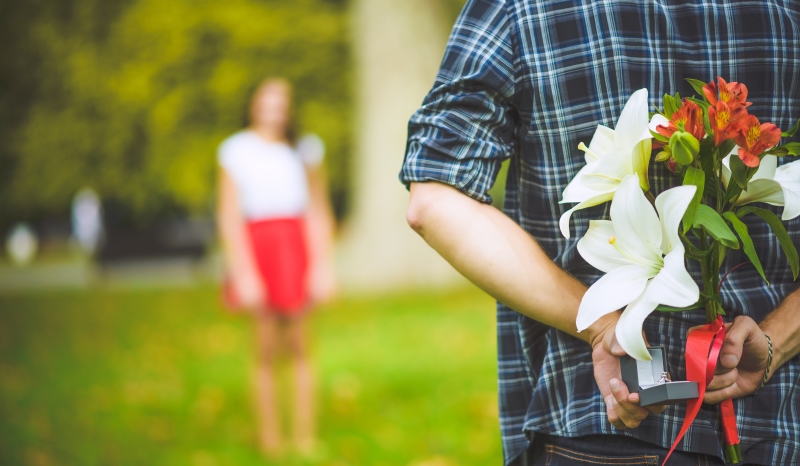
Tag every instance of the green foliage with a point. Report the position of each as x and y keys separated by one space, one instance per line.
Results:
x=780 y=232
x=792 y=130
x=671 y=105
x=747 y=242
x=132 y=98
x=693 y=177
x=698 y=86
x=714 y=225
x=165 y=378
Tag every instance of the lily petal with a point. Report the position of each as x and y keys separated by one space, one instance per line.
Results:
x=671 y=205
x=636 y=224
x=763 y=190
x=596 y=249
x=657 y=120
x=602 y=143
x=640 y=159
x=606 y=173
x=611 y=292
x=563 y=222
x=726 y=171
x=632 y=124
x=766 y=168
x=791 y=199
x=673 y=286
x=788 y=176
x=629 y=328
x=576 y=190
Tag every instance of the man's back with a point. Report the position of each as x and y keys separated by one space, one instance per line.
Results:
x=530 y=80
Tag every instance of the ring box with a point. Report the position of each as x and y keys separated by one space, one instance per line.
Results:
x=651 y=381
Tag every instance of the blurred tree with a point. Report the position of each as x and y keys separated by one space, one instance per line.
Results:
x=132 y=97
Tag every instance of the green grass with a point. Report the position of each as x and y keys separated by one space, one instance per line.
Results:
x=163 y=378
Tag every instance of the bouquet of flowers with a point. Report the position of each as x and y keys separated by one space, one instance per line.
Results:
x=727 y=160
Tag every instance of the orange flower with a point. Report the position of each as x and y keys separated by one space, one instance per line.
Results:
x=724 y=120
x=754 y=138
x=732 y=93
x=689 y=117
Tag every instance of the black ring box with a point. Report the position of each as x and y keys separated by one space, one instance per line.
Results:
x=643 y=377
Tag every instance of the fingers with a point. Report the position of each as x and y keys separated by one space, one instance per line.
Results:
x=723 y=380
x=653 y=409
x=623 y=408
x=716 y=396
x=743 y=329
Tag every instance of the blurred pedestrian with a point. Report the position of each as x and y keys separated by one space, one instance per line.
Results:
x=276 y=225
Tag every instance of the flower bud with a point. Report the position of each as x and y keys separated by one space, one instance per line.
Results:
x=684 y=146
x=664 y=155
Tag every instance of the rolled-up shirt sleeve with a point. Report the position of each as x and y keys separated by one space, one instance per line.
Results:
x=466 y=125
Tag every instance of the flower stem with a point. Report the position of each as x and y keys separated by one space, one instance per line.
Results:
x=650 y=197
x=733 y=454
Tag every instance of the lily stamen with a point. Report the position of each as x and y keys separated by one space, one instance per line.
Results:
x=584 y=148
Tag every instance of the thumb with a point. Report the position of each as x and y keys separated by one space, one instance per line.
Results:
x=612 y=345
x=742 y=329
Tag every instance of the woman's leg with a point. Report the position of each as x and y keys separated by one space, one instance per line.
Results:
x=269 y=416
x=297 y=344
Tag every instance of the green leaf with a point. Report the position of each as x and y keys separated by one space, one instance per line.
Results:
x=659 y=137
x=693 y=251
x=780 y=232
x=725 y=148
x=732 y=191
x=698 y=305
x=677 y=100
x=790 y=133
x=706 y=156
x=698 y=86
x=711 y=222
x=702 y=103
x=695 y=177
x=792 y=148
x=669 y=106
x=739 y=172
x=747 y=242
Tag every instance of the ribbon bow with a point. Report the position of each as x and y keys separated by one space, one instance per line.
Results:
x=702 y=352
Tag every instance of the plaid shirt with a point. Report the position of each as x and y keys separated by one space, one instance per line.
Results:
x=529 y=80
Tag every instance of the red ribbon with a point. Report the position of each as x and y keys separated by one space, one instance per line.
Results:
x=702 y=352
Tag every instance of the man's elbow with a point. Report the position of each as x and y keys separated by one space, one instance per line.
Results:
x=419 y=206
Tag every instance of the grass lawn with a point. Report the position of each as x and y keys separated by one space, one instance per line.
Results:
x=163 y=378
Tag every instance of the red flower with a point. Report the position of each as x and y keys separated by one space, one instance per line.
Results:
x=724 y=120
x=732 y=93
x=754 y=138
x=690 y=117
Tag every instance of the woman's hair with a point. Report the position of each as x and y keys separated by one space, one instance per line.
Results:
x=291 y=122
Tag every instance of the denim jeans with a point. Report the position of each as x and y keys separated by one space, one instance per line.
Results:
x=593 y=450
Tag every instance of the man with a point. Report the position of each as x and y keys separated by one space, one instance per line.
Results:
x=528 y=80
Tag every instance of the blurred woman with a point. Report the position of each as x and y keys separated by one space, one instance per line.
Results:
x=276 y=226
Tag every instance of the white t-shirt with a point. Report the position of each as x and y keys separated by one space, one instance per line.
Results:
x=269 y=176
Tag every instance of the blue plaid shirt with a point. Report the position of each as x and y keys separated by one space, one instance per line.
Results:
x=529 y=80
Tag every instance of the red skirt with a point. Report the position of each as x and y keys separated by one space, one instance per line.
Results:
x=279 y=250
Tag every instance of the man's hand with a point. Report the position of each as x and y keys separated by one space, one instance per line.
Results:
x=622 y=407
x=742 y=362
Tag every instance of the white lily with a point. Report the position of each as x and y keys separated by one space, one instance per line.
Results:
x=778 y=186
x=612 y=155
x=643 y=258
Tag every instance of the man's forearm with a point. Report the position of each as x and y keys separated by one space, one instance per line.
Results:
x=497 y=255
x=783 y=327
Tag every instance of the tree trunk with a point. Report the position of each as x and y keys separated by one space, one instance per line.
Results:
x=398 y=46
